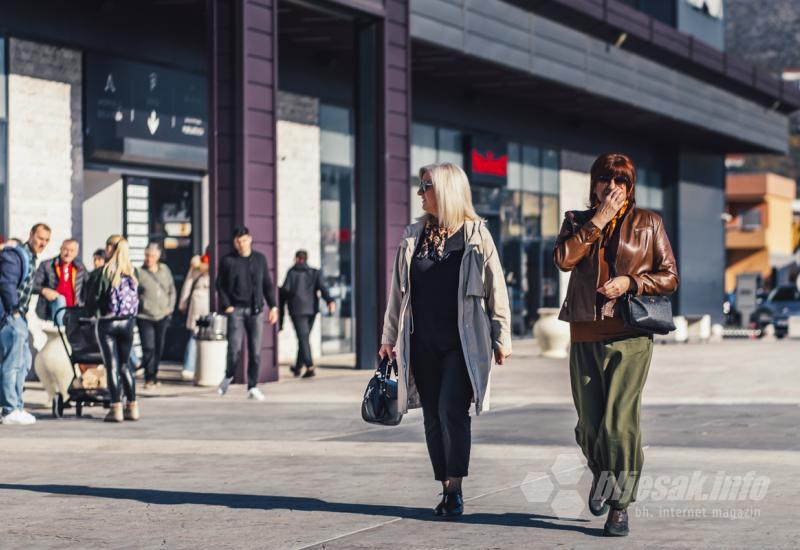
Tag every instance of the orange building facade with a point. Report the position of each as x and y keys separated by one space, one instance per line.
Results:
x=759 y=231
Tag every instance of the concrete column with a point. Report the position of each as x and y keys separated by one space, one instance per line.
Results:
x=298 y=187
x=699 y=246
x=242 y=168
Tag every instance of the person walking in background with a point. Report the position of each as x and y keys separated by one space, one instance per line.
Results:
x=448 y=300
x=112 y=298
x=98 y=258
x=17 y=267
x=194 y=302
x=157 y=301
x=611 y=249
x=244 y=284
x=60 y=282
x=300 y=292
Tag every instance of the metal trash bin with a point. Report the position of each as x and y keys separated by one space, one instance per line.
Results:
x=212 y=349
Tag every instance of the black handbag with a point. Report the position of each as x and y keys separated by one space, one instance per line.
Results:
x=651 y=314
x=380 y=398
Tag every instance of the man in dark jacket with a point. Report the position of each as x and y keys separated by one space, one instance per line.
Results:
x=243 y=285
x=60 y=282
x=299 y=292
x=17 y=266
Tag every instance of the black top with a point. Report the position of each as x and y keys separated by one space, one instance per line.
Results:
x=434 y=292
x=245 y=282
x=299 y=290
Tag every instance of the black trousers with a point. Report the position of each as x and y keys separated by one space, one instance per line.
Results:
x=152 y=333
x=241 y=322
x=302 y=326
x=446 y=391
x=115 y=338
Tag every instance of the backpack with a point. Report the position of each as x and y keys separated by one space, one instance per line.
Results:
x=123 y=301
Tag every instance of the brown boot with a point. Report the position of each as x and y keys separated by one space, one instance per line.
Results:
x=115 y=413
x=132 y=411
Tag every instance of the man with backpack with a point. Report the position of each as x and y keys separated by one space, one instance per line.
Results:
x=299 y=292
x=17 y=268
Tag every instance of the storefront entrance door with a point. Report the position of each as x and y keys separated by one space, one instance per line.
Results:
x=172 y=220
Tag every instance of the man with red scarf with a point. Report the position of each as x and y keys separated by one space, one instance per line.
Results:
x=60 y=282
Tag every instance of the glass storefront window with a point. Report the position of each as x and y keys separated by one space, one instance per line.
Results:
x=423 y=146
x=531 y=170
x=550 y=216
x=532 y=215
x=450 y=146
x=337 y=226
x=514 y=167
x=511 y=214
x=550 y=171
x=649 y=190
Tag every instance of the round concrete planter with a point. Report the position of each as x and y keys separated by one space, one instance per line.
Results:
x=52 y=364
x=551 y=334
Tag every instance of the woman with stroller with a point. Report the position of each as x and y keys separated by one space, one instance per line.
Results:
x=112 y=297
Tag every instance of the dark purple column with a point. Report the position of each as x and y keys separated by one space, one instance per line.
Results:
x=394 y=198
x=242 y=171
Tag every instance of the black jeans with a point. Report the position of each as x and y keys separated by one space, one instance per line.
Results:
x=446 y=391
x=240 y=321
x=115 y=338
x=152 y=335
x=302 y=326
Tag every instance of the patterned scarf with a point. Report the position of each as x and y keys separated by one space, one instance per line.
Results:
x=609 y=230
x=433 y=242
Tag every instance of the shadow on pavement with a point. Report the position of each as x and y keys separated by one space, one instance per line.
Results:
x=304 y=504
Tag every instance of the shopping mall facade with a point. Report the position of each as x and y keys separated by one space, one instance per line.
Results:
x=175 y=120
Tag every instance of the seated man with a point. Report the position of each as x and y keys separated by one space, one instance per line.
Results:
x=60 y=282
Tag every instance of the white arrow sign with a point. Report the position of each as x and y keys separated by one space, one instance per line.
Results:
x=152 y=122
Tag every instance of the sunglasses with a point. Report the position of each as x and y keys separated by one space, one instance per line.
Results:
x=619 y=180
x=424 y=185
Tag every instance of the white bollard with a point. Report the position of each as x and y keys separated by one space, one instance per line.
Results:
x=551 y=334
x=794 y=326
x=681 y=333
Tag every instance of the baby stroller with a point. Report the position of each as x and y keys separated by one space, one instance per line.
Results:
x=78 y=336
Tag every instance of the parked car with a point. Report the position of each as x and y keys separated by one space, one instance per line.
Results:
x=783 y=302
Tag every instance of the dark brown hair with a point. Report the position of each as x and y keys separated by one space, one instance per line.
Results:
x=613 y=165
x=40 y=225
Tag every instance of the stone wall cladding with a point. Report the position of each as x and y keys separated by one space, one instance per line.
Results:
x=45 y=150
x=298 y=200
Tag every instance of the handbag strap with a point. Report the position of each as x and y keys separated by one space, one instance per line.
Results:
x=385 y=369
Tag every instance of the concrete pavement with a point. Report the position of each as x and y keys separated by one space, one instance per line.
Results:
x=302 y=470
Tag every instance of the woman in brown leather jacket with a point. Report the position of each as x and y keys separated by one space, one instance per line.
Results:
x=611 y=249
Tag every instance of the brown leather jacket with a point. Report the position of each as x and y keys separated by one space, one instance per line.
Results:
x=644 y=254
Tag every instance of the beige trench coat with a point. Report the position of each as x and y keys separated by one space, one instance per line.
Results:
x=483 y=311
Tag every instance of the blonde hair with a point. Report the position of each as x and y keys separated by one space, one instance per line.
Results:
x=453 y=194
x=119 y=264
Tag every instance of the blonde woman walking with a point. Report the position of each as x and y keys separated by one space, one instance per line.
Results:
x=447 y=317
x=112 y=297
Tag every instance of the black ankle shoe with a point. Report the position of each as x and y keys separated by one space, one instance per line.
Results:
x=597 y=504
x=296 y=371
x=439 y=510
x=310 y=373
x=617 y=523
x=453 y=505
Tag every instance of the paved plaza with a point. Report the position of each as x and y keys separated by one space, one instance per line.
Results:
x=302 y=470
